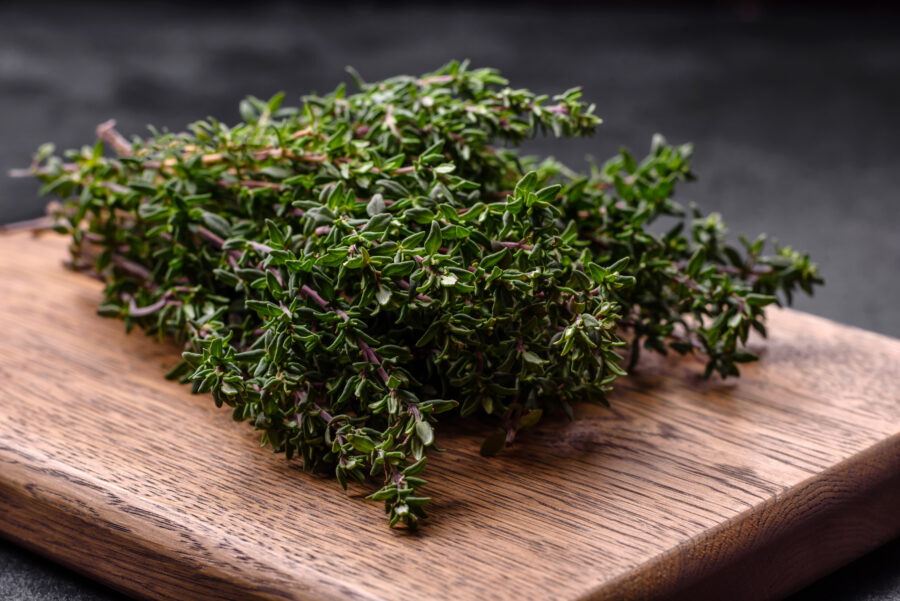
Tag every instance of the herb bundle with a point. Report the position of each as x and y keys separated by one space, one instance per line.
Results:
x=343 y=273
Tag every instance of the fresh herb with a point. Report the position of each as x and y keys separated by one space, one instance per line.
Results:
x=342 y=273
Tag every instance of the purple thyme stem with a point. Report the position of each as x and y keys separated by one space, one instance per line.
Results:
x=414 y=411
x=321 y=301
x=322 y=413
x=521 y=245
x=372 y=358
x=131 y=267
x=210 y=237
x=40 y=223
x=752 y=271
x=258 y=246
x=249 y=183
x=135 y=311
x=421 y=261
x=218 y=242
x=396 y=476
x=689 y=282
x=387 y=202
x=32 y=171
x=106 y=131
x=325 y=415
x=405 y=285
x=118 y=188
x=277 y=275
x=559 y=109
x=314 y=295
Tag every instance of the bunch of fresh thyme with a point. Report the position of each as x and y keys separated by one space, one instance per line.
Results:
x=339 y=272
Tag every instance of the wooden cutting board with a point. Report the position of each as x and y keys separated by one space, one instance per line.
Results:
x=685 y=488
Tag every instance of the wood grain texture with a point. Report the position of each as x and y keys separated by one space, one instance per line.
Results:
x=685 y=488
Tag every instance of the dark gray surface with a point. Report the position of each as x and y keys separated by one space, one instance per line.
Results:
x=795 y=118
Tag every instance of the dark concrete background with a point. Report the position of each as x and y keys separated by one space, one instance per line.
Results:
x=795 y=116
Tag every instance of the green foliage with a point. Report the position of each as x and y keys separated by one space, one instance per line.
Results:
x=338 y=272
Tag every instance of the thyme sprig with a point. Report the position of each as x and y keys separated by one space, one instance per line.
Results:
x=342 y=273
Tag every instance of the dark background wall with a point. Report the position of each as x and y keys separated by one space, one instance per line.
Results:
x=795 y=113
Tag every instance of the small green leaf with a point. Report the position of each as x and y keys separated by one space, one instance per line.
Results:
x=216 y=224
x=494 y=443
x=378 y=223
x=530 y=419
x=760 y=300
x=264 y=308
x=398 y=270
x=416 y=468
x=696 y=262
x=434 y=239
x=383 y=296
x=742 y=355
x=494 y=258
x=361 y=443
x=424 y=432
x=375 y=206
x=253 y=355
x=532 y=358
